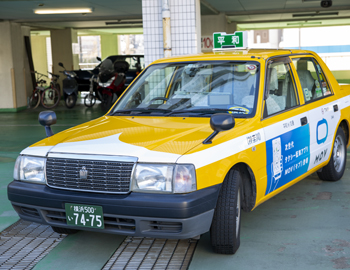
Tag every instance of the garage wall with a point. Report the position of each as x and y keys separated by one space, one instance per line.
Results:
x=109 y=45
x=6 y=100
x=13 y=68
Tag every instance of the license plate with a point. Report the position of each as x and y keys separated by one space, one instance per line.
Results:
x=90 y=216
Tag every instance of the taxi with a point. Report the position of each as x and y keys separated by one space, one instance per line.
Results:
x=192 y=142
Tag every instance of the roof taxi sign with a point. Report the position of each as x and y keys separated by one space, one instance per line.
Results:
x=223 y=41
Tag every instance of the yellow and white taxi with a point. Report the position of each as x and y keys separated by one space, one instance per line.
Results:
x=192 y=142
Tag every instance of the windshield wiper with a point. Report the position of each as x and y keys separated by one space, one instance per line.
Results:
x=205 y=111
x=141 y=111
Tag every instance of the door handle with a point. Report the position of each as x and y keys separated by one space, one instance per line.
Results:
x=335 y=107
x=303 y=121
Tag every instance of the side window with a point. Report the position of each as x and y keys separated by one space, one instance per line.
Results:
x=280 y=92
x=312 y=79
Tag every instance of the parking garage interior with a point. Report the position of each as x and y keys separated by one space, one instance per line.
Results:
x=305 y=227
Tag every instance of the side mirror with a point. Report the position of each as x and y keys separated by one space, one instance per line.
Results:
x=220 y=122
x=60 y=64
x=46 y=119
x=98 y=58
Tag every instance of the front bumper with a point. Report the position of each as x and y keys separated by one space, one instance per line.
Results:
x=176 y=216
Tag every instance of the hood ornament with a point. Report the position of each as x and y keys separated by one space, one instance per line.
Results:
x=83 y=173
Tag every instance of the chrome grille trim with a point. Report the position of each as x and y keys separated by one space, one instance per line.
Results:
x=104 y=176
x=92 y=157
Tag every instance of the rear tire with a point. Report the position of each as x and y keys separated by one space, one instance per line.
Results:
x=335 y=168
x=226 y=225
x=70 y=101
x=50 y=98
x=63 y=230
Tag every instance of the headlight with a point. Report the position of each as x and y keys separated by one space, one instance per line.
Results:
x=164 y=178
x=30 y=169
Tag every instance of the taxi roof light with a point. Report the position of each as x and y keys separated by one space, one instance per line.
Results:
x=237 y=40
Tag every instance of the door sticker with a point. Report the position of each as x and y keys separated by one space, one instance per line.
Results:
x=288 y=157
x=277 y=162
x=321 y=131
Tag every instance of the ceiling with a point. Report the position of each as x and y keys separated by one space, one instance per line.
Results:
x=123 y=15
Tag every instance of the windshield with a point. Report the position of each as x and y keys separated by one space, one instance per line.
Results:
x=192 y=89
x=107 y=66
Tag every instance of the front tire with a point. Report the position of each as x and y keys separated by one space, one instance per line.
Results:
x=70 y=101
x=50 y=98
x=226 y=225
x=89 y=100
x=335 y=168
x=106 y=102
x=34 y=100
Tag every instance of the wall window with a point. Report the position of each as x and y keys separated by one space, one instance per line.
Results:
x=89 y=49
x=131 y=44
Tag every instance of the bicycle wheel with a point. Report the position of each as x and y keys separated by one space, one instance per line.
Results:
x=50 y=98
x=89 y=100
x=34 y=100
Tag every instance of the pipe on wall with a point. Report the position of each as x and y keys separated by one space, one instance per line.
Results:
x=166 y=29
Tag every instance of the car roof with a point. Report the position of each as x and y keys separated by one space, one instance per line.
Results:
x=249 y=54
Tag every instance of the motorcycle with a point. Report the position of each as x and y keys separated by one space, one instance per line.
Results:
x=70 y=87
x=111 y=81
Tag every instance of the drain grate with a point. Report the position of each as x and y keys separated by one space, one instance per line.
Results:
x=24 y=244
x=150 y=253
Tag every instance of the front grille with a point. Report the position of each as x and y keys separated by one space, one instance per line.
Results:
x=102 y=176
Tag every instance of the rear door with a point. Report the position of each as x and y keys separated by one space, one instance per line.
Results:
x=323 y=110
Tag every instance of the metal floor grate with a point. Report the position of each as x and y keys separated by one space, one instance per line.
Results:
x=150 y=253
x=24 y=244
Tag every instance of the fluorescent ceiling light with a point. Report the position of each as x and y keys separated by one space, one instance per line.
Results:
x=303 y=23
x=62 y=10
x=316 y=14
x=125 y=22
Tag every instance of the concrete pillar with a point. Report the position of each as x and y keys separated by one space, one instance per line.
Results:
x=185 y=28
x=14 y=67
x=212 y=24
x=109 y=45
x=62 y=50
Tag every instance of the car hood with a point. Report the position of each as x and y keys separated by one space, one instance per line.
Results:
x=150 y=139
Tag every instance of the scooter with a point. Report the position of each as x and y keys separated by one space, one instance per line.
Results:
x=70 y=87
x=111 y=82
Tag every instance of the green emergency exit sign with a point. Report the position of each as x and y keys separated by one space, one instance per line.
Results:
x=222 y=41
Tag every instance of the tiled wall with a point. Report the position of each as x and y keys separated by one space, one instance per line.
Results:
x=185 y=24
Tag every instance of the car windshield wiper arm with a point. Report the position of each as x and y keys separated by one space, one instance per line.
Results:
x=204 y=111
x=141 y=110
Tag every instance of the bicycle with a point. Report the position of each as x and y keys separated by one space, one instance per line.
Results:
x=90 y=98
x=48 y=96
x=54 y=83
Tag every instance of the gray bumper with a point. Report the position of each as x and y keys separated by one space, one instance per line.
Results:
x=171 y=228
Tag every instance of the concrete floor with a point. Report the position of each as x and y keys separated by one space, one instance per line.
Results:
x=305 y=227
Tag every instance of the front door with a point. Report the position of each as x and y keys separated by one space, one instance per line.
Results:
x=286 y=127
